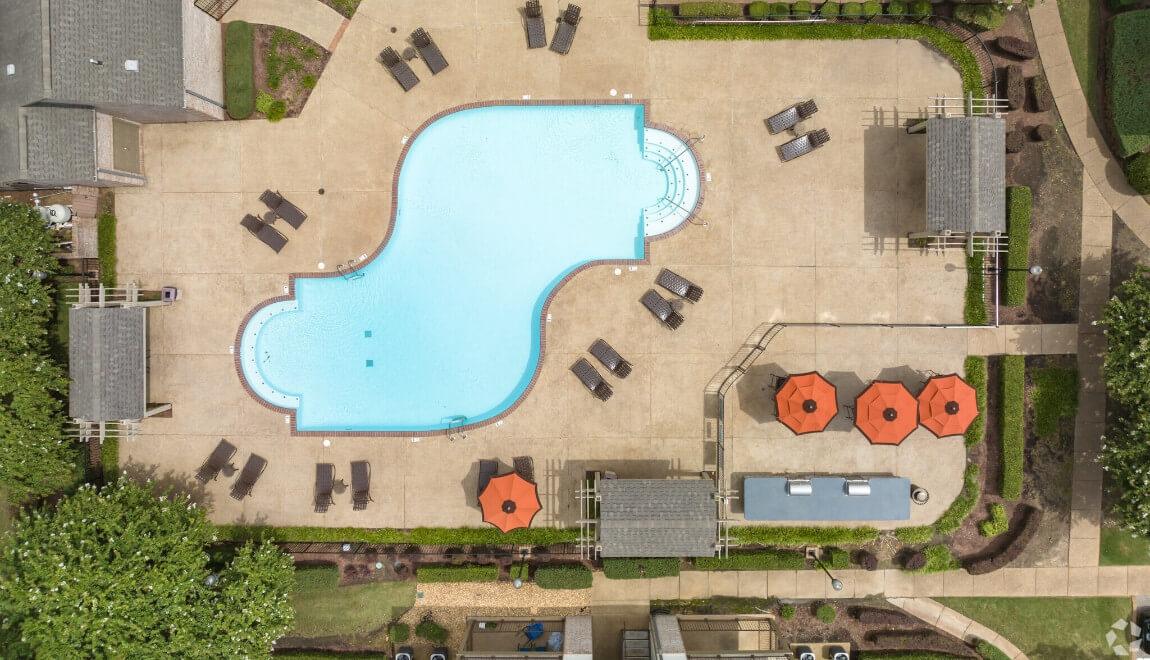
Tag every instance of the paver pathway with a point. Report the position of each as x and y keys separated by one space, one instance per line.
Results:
x=1035 y=339
x=311 y=18
x=963 y=627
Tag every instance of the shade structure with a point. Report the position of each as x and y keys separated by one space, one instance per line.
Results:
x=806 y=403
x=947 y=405
x=886 y=412
x=509 y=502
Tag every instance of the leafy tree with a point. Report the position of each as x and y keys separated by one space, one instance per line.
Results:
x=122 y=573
x=35 y=459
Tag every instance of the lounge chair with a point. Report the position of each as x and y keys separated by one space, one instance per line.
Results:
x=591 y=379
x=248 y=477
x=398 y=68
x=440 y=653
x=290 y=213
x=536 y=27
x=268 y=235
x=679 y=285
x=524 y=467
x=659 y=306
x=610 y=358
x=430 y=53
x=215 y=462
x=565 y=33
x=360 y=485
x=804 y=144
x=789 y=118
x=324 y=483
x=487 y=471
x=405 y=653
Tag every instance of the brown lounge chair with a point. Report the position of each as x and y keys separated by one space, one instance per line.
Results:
x=804 y=144
x=248 y=477
x=430 y=52
x=324 y=484
x=268 y=235
x=215 y=462
x=789 y=118
x=536 y=27
x=592 y=379
x=565 y=33
x=610 y=358
x=679 y=285
x=360 y=485
x=488 y=470
x=290 y=213
x=398 y=68
x=659 y=306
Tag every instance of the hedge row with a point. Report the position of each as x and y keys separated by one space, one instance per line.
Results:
x=389 y=536
x=797 y=536
x=1055 y=398
x=106 y=248
x=906 y=655
x=981 y=17
x=755 y=560
x=939 y=558
x=974 y=298
x=711 y=10
x=996 y=524
x=1013 y=425
x=1128 y=80
x=457 y=573
x=1138 y=173
x=1031 y=521
x=949 y=522
x=876 y=616
x=912 y=535
x=239 y=70
x=1018 y=203
x=761 y=10
x=975 y=369
x=634 y=569
x=563 y=577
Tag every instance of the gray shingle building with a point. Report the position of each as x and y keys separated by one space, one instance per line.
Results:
x=657 y=518
x=966 y=175
x=77 y=77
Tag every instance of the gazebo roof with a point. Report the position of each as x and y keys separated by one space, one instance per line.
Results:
x=657 y=518
x=966 y=175
x=106 y=356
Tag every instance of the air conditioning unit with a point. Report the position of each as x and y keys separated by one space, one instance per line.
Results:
x=799 y=487
x=857 y=487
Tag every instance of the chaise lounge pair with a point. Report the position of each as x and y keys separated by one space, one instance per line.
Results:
x=590 y=376
x=660 y=307
x=220 y=458
x=325 y=486
x=428 y=51
x=564 y=34
x=279 y=208
x=787 y=120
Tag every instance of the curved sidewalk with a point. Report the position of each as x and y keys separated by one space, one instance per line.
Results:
x=311 y=18
x=962 y=627
x=1098 y=162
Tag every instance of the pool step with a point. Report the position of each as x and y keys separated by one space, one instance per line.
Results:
x=676 y=161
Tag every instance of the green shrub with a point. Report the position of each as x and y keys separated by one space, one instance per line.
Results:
x=399 y=632
x=391 y=536
x=271 y=107
x=896 y=8
x=797 y=536
x=975 y=369
x=1018 y=202
x=239 y=70
x=787 y=611
x=851 y=10
x=1128 y=80
x=938 y=558
x=106 y=247
x=780 y=10
x=1013 y=425
x=989 y=651
x=431 y=631
x=921 y=8
x=951 y=519
x=996 y=524
x=981 y=17
x=634 y=569
x=1138 y=173
x=563 y=577
x=826 y=613
x=754 y=560
x=871 y=8
x=457 y=573
x=906 y=655
x=913 y=535
x=758 y=10
x=838 y=558
x=829 y=9
x=316 y=577
x=801 y=9
x=110 y=459
x=1055 y=396
x=309 y=81
x=710 y=10
x=974 y=309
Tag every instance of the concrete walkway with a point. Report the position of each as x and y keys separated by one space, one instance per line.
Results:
x=1036 y=339
x=963 y=627
x=311 y=18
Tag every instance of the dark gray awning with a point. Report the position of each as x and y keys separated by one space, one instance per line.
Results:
x=966 y=175
x=657 y=518
x=106 y=354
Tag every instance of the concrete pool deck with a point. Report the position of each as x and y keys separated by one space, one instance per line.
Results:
x=815 y=240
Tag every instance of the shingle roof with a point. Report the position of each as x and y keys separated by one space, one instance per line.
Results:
x=21 y=46
x=61 y=143
x=657 y=518
x=966 y=174
x=106 y=363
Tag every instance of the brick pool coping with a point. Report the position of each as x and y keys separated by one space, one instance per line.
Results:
x=291 y=412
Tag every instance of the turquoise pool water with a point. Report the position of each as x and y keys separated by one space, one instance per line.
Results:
x=496 y=205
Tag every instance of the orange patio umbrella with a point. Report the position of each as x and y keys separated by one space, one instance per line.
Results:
x=886 y=412
x=947 y=405
x=806 y=403
x=509 y=502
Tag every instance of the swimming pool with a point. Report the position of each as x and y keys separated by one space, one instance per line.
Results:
x=495 y=206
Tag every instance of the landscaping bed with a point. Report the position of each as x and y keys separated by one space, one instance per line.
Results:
x=287 y=67
x=345 y=8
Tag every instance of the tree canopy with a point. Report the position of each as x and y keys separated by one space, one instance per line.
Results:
x=122 y=573
x=35 y=459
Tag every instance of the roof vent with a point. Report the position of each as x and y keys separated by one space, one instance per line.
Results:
x=131 y=65
x=857 y=487
x=10 y=69
x=799 y=487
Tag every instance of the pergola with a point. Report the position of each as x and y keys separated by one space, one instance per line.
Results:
x=653 y=518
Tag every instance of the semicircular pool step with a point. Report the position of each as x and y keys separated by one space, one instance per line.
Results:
x=677 y=162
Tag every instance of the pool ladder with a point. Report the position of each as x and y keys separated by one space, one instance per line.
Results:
x=347 y=271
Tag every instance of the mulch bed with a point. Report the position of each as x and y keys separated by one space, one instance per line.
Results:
x=303 y=60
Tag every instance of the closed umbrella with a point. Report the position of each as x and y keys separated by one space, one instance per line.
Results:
x=947 y=405
x=509 y=502
x=886 y=412
x=806 y=403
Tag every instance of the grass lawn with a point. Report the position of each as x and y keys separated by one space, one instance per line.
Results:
x=1081 y=21
x=1055 y=398
x=1048 y=627
x=1119 y=548
x=323 y=609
